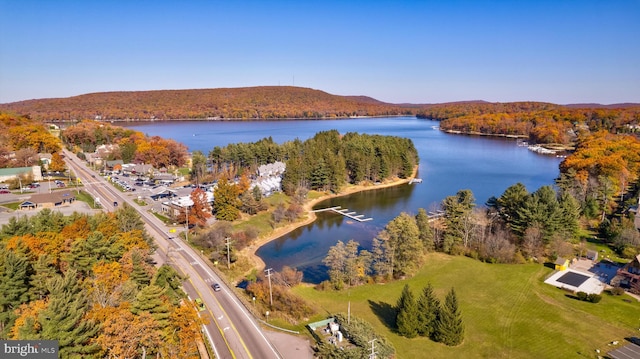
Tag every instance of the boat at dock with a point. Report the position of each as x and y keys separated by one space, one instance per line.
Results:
x=541 y=150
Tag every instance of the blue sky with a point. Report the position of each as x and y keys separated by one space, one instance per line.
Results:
x=396 y=51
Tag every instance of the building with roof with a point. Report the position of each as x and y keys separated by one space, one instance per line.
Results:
x=137 y=169
x=272 y=169
x=162 y=192
x=48 y=200
x=561 y=264
x=636 y=216
x=164 y=178
x=175 y=207
x=629 y=275
x=10 y=174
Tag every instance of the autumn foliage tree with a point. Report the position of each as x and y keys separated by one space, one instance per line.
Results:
x=201 y=209
x=226 y=205
x=87 y=282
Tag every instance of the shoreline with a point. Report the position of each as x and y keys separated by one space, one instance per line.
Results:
x=250 y=251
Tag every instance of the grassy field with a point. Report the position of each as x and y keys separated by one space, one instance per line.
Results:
x=507 y=309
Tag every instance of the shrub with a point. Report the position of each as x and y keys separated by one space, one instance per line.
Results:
x=582 y=295
x=324 y=285
x=594 y=298
x=617 y=291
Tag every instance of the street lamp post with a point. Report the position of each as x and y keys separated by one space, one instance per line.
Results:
x=254 y=302
x=267 y=314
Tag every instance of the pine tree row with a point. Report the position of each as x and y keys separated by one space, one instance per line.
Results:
x=427 y=317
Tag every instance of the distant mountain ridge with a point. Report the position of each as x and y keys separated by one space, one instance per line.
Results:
x=243 y=103
x=597 y=105
x=266 y=102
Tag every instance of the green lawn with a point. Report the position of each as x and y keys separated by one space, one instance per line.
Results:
x=507 y=309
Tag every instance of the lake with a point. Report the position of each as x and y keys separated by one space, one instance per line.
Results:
x=448 y=163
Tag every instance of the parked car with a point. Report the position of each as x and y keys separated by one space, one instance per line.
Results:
x=4 y=191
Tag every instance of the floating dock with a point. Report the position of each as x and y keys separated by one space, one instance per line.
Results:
x=345 y=212
x=415 y=180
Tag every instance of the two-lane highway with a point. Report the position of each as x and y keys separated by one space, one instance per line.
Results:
x=231 y=329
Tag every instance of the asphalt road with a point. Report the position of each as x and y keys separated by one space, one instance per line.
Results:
x=230 y=327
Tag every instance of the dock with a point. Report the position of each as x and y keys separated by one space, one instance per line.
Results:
x=345 y=212
x=415 y=180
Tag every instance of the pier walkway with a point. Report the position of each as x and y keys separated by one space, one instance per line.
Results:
x=345 y=212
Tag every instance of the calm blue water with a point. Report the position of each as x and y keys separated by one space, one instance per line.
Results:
x=448 y=163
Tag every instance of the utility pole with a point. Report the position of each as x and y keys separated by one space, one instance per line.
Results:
x=270 y=292
x=186 y=233
x=373 y=348
x=228 y=242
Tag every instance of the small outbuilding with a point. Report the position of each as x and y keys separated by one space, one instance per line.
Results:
x=592 y=255
x=561 y=264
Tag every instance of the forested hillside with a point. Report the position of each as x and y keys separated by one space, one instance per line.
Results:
x=269 y=102
x=538 y=122
x=325 y=162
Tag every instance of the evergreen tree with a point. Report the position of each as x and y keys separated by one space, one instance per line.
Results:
x=426 y=233
x=407 y=314
x=540 y=207
x=428 y=308
x=458 y=211
x=139 y=274
x=167 y=278
x=86 y=252
x=64 y=318
x=17 y=226
x=44 y=270
x=129 y=219
x=48 y=221
x=449 y=326
x=570 y=215
x=510 y=202
x=149 y=300
x=319 y=177
x=14 y=287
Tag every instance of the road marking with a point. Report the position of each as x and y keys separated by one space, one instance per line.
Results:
x=194 y=263
x=225 y=329
x=224 y=337
x=220 y=317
